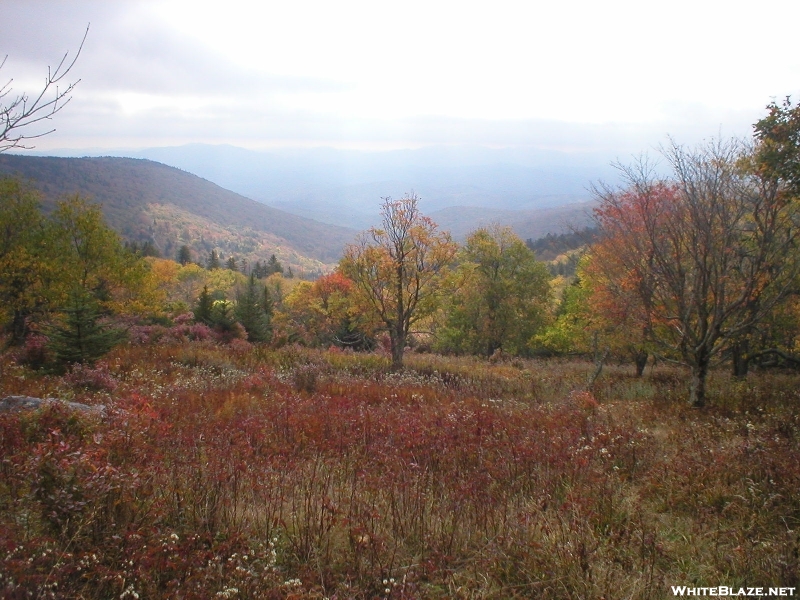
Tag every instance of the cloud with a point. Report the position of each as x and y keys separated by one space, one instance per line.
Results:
x=128 y=51
x=148 y=58
x=156 y=73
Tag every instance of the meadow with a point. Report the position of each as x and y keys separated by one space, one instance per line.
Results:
x=244 y=472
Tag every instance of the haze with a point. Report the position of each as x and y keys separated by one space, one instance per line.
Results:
x=609 y=78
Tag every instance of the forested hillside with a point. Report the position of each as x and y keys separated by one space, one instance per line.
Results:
x=147 y=201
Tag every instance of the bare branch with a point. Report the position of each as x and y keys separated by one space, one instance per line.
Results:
x=18 y=113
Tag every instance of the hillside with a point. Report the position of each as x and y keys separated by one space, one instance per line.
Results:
x=344 y=187
x=530 y=223
x=144 y=200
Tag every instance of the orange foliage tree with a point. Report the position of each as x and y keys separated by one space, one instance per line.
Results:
x=323 y=313
x=397 y=269
x=699 y=258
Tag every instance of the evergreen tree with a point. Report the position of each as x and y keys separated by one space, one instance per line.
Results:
x=252 y=311
x=267 y=304
x=231 y=264
x=213 y=261
x=205 y=304
x=223 y=316
x=184 y=255
x=81 y=338
x=148 y=249
x=273 y=266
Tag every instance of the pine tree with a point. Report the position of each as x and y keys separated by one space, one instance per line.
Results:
x=252 y=312
x=81 y=338
x=273 y=266
x=184 y=255
x=213 y=261
x=223 y=316
x=205 y=304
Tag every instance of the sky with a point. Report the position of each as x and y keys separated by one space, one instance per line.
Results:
x=614 y=76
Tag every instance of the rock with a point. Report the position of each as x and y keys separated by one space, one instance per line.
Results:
x=19 y=403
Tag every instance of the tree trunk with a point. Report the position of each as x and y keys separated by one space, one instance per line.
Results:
x=740 y=358
x=19 y=328
x=398 y=340
x=697 y=387
x=640 y=360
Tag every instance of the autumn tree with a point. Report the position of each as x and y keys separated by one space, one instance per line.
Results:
x=615 y=309
x=777 y=153
x=23 y=255
x=323 y=313
x=397 y=269
x=42 y=259
x=501 y=298
x=707 y=252
x=92 y=255
x=593 y=319
x=775 y=161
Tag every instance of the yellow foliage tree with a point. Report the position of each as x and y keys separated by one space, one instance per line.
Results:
x=397 y=269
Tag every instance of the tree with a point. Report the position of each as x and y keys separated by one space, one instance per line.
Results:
x=213 y=261
x=397 y=269
x=184 y=255
x=322 y=313
x=19 y=112
x=777 y=153
x=81 y=338
x=502 y=298
x=273 y=266
x=22 y=255
x=223 y=318
x=91 y=255
x=43 y=259
x=707 y=253
x=204 y=306
x=254 y=310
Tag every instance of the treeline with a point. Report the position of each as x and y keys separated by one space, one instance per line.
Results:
x=71 y=289
x=551 y=246
x=697 y=267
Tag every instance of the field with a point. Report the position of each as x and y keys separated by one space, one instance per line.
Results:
x=243 y=472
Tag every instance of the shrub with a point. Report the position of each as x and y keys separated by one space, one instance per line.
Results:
x=97 y=378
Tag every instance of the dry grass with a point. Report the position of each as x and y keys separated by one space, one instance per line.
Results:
x=307 y=474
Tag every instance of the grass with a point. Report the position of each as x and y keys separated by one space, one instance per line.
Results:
x=295 y=473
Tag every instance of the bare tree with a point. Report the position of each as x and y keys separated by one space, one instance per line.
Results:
x=19 y=111
x=709 y=251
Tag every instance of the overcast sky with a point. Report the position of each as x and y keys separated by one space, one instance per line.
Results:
x=611 y=76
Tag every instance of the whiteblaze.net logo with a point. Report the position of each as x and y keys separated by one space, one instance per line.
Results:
x=729 y=592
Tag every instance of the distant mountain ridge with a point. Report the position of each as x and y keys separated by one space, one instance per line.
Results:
x=148 y=201
x=344 y=187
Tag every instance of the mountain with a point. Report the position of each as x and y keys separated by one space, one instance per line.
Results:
x=145 y=200
x=527 y=224
x=345 y=187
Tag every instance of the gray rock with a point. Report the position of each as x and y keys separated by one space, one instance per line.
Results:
x=19 y=403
